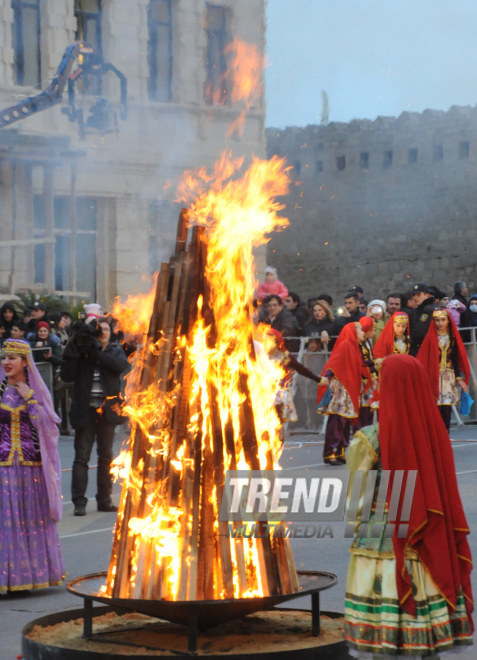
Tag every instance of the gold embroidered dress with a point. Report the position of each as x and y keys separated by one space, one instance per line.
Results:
x=374 y=621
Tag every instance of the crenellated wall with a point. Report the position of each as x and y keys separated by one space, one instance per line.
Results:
x=382 y=204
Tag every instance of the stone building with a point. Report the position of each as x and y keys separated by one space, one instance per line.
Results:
x=88 y=219
x=382 y=204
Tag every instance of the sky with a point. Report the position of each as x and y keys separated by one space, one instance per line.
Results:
x=372 y=57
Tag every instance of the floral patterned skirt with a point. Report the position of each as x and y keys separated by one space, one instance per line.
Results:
x=448 y=390
x=340 y=403
x=374 y=622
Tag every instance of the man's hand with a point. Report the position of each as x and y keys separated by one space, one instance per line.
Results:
x=23 y=389
x=325 y=337
x=346 y=314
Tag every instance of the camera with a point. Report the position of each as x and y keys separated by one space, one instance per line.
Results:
x=85 y=335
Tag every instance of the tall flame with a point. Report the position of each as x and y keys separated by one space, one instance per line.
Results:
x=238 y=209
x=245 y=70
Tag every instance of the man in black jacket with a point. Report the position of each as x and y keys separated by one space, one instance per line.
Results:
x=282 y=320
x=351 y=312
x=95 y=366
x=421 y=317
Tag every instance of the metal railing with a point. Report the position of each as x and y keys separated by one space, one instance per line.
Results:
x=304 y=389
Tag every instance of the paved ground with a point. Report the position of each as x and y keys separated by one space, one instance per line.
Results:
x=86 y=542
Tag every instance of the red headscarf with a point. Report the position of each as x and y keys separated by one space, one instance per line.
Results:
x=346 y=363
x=367 y=323
x=385 y=343
x=429 y=354
x=412 y=436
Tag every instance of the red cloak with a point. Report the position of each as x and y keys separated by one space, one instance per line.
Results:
x=346 y=363
x=384 y=345
x=429 y=354
x=412 y=436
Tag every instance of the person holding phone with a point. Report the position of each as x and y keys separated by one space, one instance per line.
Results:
x=42 y=339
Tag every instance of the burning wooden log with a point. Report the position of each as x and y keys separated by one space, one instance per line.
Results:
x=196 y=414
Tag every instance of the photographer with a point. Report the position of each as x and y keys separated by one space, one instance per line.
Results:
x=95 y=366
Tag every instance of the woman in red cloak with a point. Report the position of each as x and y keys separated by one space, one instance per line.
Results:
x=411 y=595
x=443 y=355
x=394 y=338
x=344 y=374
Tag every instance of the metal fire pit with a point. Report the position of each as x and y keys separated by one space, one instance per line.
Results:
x=199 y=614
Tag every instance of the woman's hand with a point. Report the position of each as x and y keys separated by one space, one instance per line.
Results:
x=325 y=381
x=461 y=383
x=23 y=389
x=325 y=337
x=39 y=344
x=47 y=354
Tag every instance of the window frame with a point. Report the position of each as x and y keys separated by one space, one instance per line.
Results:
x=17 y=27
x=152 y=52
x=224 y=40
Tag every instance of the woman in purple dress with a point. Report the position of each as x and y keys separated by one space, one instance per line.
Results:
x=30 y=475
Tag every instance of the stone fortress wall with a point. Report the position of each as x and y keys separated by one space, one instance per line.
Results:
x=382 y=204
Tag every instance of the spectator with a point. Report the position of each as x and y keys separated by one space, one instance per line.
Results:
x=280 y=318
x=2 y=334
x=363 y=305
x=460 y=292
x=358 y=290
x=42 y=339
x=408 y=303
x=321 y=326
x=18 y=330
x=377 y=311
x=473 y=310
x=95 y=366
x=393 y=303
x=272 y=285
x=443 y=300
x=60 y=328
x=66 y=316
x=351 y=313
x=8 y=316
x=27 y=315
x=293 y=305
x=38 y=313
x=327 y=298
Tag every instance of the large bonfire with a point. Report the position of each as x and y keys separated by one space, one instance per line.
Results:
x=200 y=401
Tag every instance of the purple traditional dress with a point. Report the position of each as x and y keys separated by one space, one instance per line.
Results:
x=30 y=482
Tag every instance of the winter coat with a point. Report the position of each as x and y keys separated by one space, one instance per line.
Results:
x=276 y=288
x=456 y=308
x=79 y=368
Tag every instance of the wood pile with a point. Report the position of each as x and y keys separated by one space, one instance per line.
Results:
x=211 y=565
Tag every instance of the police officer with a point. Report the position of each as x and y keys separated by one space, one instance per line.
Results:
x=420 y=317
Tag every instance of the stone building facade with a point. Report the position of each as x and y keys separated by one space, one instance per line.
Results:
x=382 y=204
x=89 y=219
